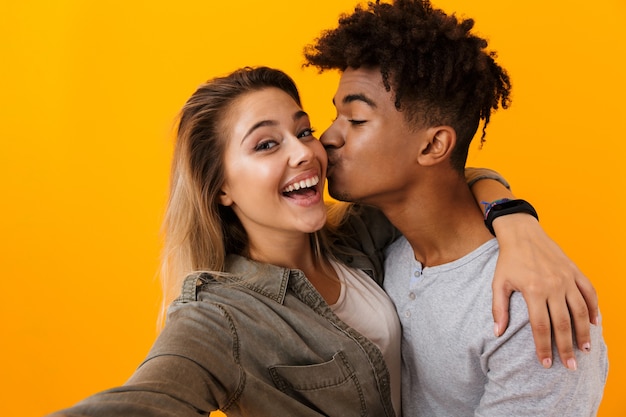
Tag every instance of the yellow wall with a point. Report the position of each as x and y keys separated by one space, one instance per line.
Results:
x=88 y=93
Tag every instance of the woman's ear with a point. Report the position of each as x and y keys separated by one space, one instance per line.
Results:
x=224 y=197
x=438 y=145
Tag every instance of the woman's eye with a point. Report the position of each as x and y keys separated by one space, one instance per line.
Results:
x=265 y=145
x=306 y=132
x=355 y=122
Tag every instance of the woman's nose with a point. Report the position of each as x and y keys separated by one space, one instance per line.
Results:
x=301 y=151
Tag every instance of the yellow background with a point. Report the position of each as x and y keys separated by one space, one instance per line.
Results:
x=89 y=91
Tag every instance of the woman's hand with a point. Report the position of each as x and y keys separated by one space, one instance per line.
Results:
x=556 y=291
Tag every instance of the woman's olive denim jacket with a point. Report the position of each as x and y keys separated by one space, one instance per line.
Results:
x=260 y=342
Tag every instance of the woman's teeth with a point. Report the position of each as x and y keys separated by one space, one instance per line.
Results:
x=309 y=182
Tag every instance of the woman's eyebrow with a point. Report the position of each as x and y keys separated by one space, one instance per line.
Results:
x=296 y=116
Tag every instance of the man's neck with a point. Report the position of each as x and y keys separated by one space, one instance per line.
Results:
x=441 y=220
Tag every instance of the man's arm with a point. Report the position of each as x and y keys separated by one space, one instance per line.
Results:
x=556 y=291
x=529 y=262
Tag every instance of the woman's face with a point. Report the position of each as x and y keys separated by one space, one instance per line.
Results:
x=275 y=168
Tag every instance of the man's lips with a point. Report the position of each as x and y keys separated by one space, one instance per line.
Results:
x=332 y=162
x=329 y=170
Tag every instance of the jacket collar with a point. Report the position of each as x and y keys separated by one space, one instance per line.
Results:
x=269 y=280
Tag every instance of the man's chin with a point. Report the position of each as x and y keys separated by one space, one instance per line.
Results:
x=339 y=194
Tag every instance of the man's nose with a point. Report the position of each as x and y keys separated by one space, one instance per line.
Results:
x=332 y=138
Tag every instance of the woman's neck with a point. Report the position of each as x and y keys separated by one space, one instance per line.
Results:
x=294 y=252
x=299 y=254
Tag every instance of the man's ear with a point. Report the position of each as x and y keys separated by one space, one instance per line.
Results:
x=224 y=196
x=437 y=146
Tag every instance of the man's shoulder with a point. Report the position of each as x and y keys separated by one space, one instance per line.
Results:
x=398 y=248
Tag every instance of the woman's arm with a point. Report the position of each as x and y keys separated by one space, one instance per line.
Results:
x=189 y=369
x=556 y=291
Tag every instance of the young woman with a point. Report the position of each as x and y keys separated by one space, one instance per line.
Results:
x=280 y=315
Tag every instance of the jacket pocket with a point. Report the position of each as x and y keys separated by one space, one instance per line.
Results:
x=331 y=387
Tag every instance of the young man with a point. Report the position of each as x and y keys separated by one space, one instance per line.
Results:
x=415 y=86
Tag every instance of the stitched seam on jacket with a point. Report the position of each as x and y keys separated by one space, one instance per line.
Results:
x=236 y=358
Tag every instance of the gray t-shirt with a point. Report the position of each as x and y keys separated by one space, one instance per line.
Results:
x=453 y=365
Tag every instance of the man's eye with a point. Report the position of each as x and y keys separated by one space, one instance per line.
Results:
x=356 y=122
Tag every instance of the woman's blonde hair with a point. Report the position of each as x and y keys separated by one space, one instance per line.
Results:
x=198 y=231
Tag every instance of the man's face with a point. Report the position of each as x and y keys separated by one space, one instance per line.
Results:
x=371 y=149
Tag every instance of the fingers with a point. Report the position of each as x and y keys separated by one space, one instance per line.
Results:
x=581 y=317
x=500 y=309
x=581 y=301
x=557 y=319
x=562 y=329
x=561 y=300
x=591 y=298
x=539 y=317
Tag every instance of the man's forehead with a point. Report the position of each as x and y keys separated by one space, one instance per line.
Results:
x=370 y=78
x=362 y=84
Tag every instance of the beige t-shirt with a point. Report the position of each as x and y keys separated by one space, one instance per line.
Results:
x=365 y=307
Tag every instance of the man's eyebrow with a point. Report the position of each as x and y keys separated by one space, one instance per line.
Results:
x=296 y=116
x=357 y=97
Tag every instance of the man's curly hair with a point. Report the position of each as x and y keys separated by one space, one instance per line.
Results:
x=439 y=72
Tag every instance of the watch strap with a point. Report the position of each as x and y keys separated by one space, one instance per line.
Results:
x=505 y=206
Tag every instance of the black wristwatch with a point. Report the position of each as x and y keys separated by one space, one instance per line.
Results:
x=505 y=206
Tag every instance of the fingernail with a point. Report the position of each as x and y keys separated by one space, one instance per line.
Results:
x=547 y=362
x=571 y=364
x=596 y=321
x=496 y=329
x=587 y=347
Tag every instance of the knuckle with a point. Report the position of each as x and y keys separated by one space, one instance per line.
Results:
x=562 y=325
x=580 y=313
x=543 y=288
x=544 y=352
x=541 y=328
